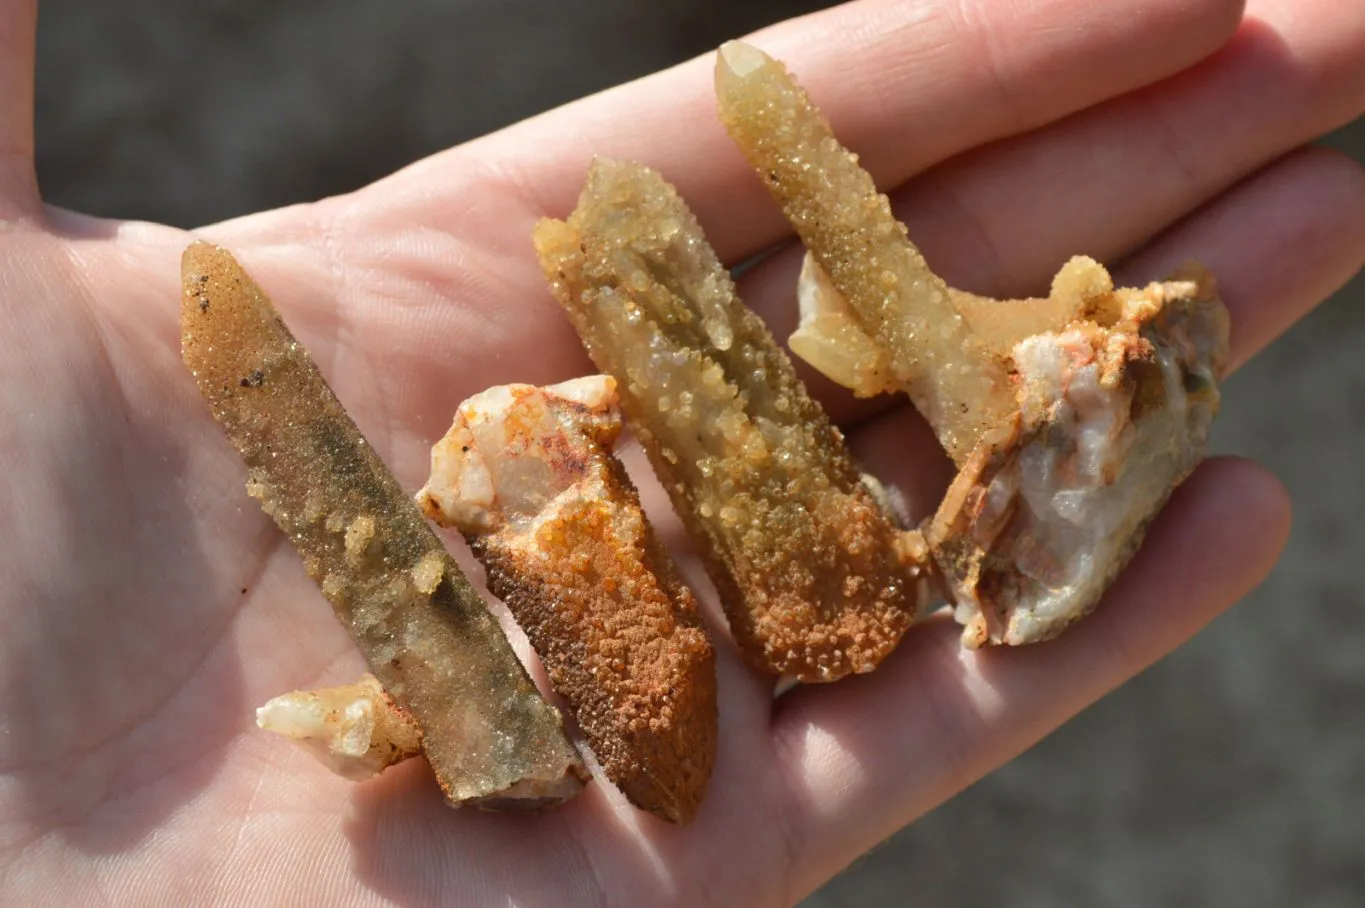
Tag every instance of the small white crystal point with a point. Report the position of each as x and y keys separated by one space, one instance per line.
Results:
x=355 y=730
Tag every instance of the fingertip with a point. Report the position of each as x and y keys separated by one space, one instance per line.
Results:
x=1279 y=243
x=1340 y=176
x=1216 y=23
x=1241 y=501
x=1260 y=490
x=18 y=182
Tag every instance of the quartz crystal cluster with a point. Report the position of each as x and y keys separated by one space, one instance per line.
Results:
x=1070 y=419
x=929 y=349
x=1112 y=416
x=356 y=729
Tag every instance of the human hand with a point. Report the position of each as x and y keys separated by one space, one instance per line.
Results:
x=148 y=605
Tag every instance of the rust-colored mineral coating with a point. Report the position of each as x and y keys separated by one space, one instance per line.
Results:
x=490 y=737
x=848 y=227
x=807 y=564
x=527 y=475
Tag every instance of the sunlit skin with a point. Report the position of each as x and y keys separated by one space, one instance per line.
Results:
x=148 y=605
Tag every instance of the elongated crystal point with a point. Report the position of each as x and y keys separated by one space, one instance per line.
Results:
x=425 y=633
x=528 y=476
x=356 y=730
x=808 y=565
x=850 y=232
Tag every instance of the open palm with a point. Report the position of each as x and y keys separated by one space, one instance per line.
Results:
x=147 y=605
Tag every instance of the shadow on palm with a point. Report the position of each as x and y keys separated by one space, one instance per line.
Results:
x=120 y=687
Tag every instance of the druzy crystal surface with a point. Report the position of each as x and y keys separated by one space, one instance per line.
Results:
x=527 y=475
x=424 y=631
x=812 y=572
x=1071 y=417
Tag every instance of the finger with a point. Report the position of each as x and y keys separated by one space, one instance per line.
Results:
x=1001 y=221
x=1279 y=244
x=18 y=186
x=444 y=244
x=907 y=84
x=864 y=758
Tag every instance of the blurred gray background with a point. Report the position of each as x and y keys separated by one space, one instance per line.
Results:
x=1232 y=774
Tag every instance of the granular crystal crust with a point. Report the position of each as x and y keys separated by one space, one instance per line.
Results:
x=808 y=566
x=850 y=232
x=527 y=475
x=425 y=633
x=1071 y=418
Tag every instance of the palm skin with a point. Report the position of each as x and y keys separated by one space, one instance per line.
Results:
x=148 y=605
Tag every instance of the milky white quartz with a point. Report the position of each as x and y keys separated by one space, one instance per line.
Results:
x=355 y=730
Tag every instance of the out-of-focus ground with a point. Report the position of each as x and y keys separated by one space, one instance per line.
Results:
x=1231 y=774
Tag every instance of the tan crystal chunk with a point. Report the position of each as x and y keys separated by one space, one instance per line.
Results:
x=490 y=737
x=847 y=225
x=1081 y=291
x=558 y=525
x=806 y=562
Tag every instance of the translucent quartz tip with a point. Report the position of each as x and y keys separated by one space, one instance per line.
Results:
x=740 y=58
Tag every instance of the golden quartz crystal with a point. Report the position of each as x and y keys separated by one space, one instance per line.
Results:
x=853 y=238
x=1071 y=418
x=426 y=635
x=812 y=573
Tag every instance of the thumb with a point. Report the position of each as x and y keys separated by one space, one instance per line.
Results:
x=18 y=183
